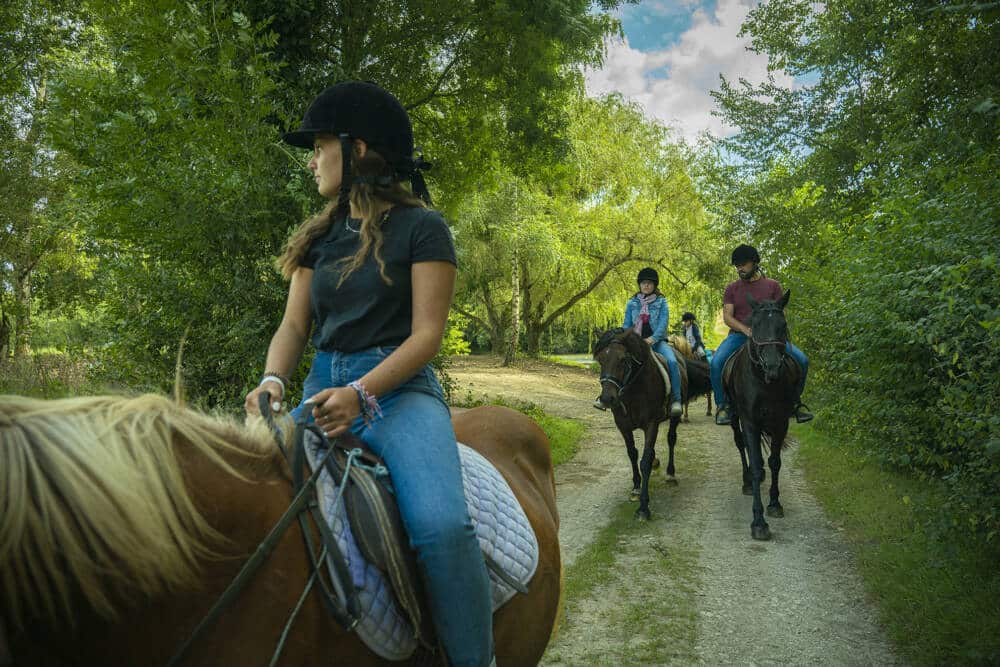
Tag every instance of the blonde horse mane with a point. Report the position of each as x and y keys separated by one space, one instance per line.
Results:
x=680 y=343
x=94 y=502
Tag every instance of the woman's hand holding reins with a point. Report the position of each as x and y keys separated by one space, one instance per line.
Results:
x=273 y=389
x=335 y=409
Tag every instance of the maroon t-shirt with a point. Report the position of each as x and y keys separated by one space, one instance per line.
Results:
x=736 y=294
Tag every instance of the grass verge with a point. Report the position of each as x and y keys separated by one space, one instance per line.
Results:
x=564 y=434
x=638 y=589
x=938 y=599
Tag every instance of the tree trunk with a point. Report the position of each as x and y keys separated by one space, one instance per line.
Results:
x=513 y=335
x=22 y=314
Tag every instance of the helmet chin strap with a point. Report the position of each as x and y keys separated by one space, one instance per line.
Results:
x=344 y=196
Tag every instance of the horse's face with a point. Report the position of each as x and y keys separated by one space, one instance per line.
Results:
x=619 y=363
x=770 y=333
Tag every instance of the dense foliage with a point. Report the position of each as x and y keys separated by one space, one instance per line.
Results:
x=873 y=191
x=147 y=192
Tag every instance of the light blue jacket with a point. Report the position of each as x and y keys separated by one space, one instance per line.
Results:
x=659 y=314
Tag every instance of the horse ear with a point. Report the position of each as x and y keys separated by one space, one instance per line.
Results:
x=784 y=299
x=752 y=301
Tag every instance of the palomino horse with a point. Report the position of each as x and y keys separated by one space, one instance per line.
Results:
x=632 y=385
x=760 y=379
x=123 y=519
x=695 y=386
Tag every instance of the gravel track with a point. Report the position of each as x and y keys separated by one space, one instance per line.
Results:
x=795 y=599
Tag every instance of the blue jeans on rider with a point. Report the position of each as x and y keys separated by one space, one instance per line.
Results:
x=675 y=373
x=415 y=438
x=726 y=349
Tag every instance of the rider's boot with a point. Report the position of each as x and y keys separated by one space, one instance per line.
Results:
x=676 y=409
x=801 y=414
x=722 y=416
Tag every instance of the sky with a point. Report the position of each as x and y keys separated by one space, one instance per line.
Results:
x=672 y=56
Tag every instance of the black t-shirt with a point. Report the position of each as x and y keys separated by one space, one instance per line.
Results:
x=364 y=311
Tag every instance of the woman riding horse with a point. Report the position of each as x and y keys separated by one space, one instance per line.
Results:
x=647 y=313
x=375 y=273
x=736 y=313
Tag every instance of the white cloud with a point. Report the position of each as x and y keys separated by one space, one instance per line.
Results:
x=693 y=64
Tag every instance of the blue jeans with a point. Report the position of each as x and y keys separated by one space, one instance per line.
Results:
x=675 y=373
x=729 y=346
x=415 y=438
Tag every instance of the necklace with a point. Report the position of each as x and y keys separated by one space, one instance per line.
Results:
x=347 y=223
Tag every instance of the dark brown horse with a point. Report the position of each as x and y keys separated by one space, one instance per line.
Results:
x=633 y=387
x=699 y=383
x=762 y=379
x=122 y=521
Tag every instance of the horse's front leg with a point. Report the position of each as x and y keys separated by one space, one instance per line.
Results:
x=759 y=529
x=708 y=413
x=671 y=441
x=774 y=507
x=738 y=438
x=646 y=467
x=633 y=457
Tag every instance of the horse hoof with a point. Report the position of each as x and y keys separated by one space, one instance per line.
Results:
x=776 y=511
x=747 y=490
x=642 y=515
x=656 y=464
x=670 y=479
x=760 y=532
x=633 y=495
x=686 y=420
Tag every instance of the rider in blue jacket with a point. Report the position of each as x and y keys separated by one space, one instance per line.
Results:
x=647 y=313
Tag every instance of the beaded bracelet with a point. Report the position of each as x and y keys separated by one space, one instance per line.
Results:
x=370 y=409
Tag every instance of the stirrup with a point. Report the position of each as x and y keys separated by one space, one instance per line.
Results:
x=802 y=415
x=722 y=416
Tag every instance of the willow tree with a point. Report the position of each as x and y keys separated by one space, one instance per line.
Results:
x=568 y=237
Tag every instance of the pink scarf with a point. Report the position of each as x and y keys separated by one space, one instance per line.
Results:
x=643 y=318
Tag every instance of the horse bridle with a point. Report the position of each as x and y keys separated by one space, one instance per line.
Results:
x=631 y=371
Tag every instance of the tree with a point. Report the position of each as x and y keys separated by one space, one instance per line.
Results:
x=31 y=178
x=874 y=186
x=570 y=238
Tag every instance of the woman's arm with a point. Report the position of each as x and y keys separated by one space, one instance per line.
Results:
x=628 y=323
x=660 y=325
x=433 y=288
x=289 y=340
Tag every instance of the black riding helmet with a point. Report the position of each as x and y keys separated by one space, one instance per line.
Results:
x=363 y=110
x=687 y=316
x=650 y=274
x=745 y=253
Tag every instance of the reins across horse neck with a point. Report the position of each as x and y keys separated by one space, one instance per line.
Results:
x=342 y=601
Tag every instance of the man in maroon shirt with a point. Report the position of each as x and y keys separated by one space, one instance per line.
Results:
x=736 y=313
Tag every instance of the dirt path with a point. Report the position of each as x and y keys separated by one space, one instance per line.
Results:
x=690 y=586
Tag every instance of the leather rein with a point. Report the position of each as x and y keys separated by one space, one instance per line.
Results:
x=341 y=601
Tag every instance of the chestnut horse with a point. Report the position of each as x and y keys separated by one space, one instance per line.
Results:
x=123 y=519
x=633 y=387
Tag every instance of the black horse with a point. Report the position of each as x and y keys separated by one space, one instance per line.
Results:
x=761 y=379
x=632 y=386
